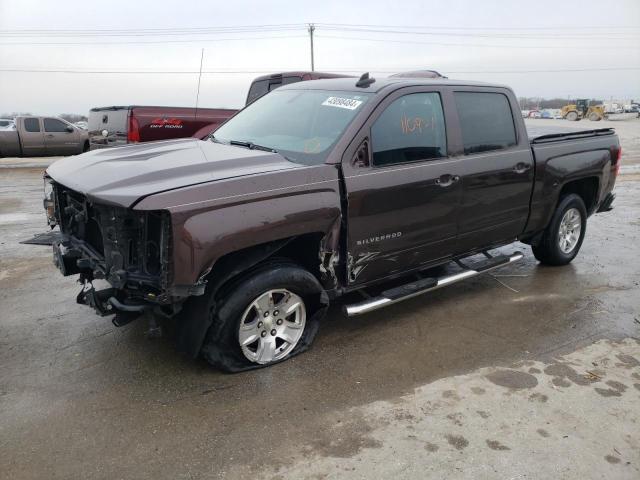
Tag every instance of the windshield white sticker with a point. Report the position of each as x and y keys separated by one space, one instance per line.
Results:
x=348 y=103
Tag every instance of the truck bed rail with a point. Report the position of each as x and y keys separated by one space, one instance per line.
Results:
x=555 y=137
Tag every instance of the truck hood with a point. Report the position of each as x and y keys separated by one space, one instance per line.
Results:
x=122 y=176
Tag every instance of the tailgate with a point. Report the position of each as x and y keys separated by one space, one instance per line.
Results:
x=108 y=127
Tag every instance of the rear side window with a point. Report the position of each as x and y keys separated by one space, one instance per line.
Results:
x=262 y=87
x=288 y=80
x=53 y=125
x=410 y=129
x=258 y=89
x=485 y=120
x=31 y=124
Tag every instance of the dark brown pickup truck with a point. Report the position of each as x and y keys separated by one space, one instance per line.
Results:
x=316 y=190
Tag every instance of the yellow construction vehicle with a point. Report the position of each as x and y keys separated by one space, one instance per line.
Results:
x=582 y=109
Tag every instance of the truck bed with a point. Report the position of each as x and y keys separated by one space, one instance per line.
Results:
x=563 y=156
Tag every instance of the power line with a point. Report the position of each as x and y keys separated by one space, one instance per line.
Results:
x=548 y=36
x=152 y=42
x=303 y=25
x=600 y=34
x=485 y=45
x=433 y=27
x=340 y=37
x=149 y=30
x=384 y=70
x=212 y=31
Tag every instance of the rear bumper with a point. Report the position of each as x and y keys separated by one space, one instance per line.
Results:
x=607 y=204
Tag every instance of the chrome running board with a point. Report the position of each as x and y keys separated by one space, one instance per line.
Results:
x=413 y=289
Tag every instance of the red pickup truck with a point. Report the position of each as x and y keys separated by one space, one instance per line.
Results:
x=119 y=125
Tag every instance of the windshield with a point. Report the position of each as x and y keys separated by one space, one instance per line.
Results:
x=302 y=125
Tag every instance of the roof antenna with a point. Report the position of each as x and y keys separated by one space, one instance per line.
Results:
x=199 y=78
x=365 y=81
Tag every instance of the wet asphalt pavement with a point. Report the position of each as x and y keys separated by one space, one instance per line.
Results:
x=397 y=392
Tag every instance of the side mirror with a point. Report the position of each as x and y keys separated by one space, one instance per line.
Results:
x=69 y=129
x=361 y=157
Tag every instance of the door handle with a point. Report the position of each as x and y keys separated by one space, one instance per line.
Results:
x=49 y=134
x=521 y=167
x=447 y=180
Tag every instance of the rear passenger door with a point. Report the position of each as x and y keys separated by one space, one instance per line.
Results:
x=403 y=198
x=497 y=165
x=31 y=137
x=60 y=138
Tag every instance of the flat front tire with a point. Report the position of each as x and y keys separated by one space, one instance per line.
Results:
x=266 y=317
x=562 y=239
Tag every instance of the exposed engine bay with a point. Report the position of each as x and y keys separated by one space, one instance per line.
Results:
x=127 y=248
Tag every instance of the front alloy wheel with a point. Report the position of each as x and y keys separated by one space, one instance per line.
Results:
x=271 y=326
x=265 y=316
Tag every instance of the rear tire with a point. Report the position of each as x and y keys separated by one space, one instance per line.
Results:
x=85 y=147
x=269 y=315
x=563 y=236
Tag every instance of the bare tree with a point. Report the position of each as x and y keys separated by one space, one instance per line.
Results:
x=73 y=117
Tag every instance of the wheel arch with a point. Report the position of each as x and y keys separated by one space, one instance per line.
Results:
x=586 y=188
x=305 y=250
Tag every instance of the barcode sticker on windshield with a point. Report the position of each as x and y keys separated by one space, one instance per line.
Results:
x=348 y=103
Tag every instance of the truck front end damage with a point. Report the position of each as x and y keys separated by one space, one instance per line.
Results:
x=129 y=249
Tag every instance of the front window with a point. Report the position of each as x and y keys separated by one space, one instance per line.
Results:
x=302 y=125
x=410 y=129
x=54 y=125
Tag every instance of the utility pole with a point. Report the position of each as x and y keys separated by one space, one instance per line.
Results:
x=311 y=30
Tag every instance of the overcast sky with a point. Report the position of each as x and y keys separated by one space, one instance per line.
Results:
x=460 y=38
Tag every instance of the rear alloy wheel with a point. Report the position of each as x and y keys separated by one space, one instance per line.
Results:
x=271 y=326
x=563 y=237
x=570 y=229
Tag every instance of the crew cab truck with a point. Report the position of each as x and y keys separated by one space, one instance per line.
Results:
x=42 y=136
x=316 y=190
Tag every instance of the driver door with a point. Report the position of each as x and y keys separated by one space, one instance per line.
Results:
x=404 y=193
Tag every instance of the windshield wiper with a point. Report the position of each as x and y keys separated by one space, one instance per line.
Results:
x=252 y=146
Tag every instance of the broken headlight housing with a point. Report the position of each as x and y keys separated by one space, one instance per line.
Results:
x=49 y=201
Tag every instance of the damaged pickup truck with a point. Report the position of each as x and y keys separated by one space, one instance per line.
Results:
x=316 y=190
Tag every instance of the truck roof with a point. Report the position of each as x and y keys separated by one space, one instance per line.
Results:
x=349 y=84
x=300 y=73
x=164 y=107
